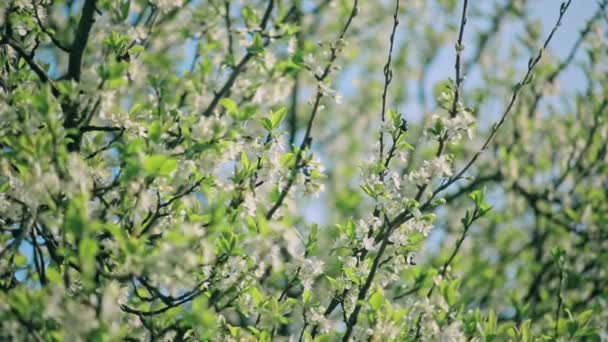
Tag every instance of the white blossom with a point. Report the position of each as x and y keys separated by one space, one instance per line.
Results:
x=369 y=243
x=292 y=45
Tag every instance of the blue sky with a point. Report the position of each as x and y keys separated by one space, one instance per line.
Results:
x=547 y=11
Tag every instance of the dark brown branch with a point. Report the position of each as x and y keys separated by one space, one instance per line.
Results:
x=228 y=27
x=29 y=59
x=153 y=216
x=85 y=129
x=80 y=40
x=107 y=146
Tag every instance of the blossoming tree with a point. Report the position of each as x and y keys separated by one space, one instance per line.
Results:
x=296 y=170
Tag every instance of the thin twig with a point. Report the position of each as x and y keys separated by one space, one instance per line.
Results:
x=457 y=88
x=55 y=41
x=405 y=215
x=306 y=141
x=239 y=68
x=388 y=77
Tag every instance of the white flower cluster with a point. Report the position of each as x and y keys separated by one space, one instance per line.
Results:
x=326 y=90
x=167 y=5
x=292 y=45
x=454 y=127
x=311 y=268
x=272 y=93
x=363 y=228
x=439 y=167
x=317 y=316
x=138 y=33
x=208 y=128
x=312 y=177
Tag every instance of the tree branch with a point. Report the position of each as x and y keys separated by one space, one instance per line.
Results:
x=80 y=40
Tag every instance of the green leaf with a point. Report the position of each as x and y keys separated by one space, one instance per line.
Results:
x=137 y=49
x=376 y=300
x=394 y=117
x=524 y=331
x=247 y=112
x=312 y=238
x=437 y=128
x=491 y=322
x=306 y=297
x=584 y=317
x=351 y=274
x=75 y=218
x=277 y=117
x=368 y=190
x=333 y=282
x=154 y=131
x=350 y=228
x=230 y=105
x=444 y=87
x=477 y=197
x=403 y=144
x=257 y=46
x=287 y=160
x=250 y=15
x=159 y=165
x=450 y=292
x=516 y=87
x=245 y=161
x=19 y=260
x=267 y=124
x=87 y=252
x=124 y=9
x=204 y=319
x=571 y=327
x=262 y=225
